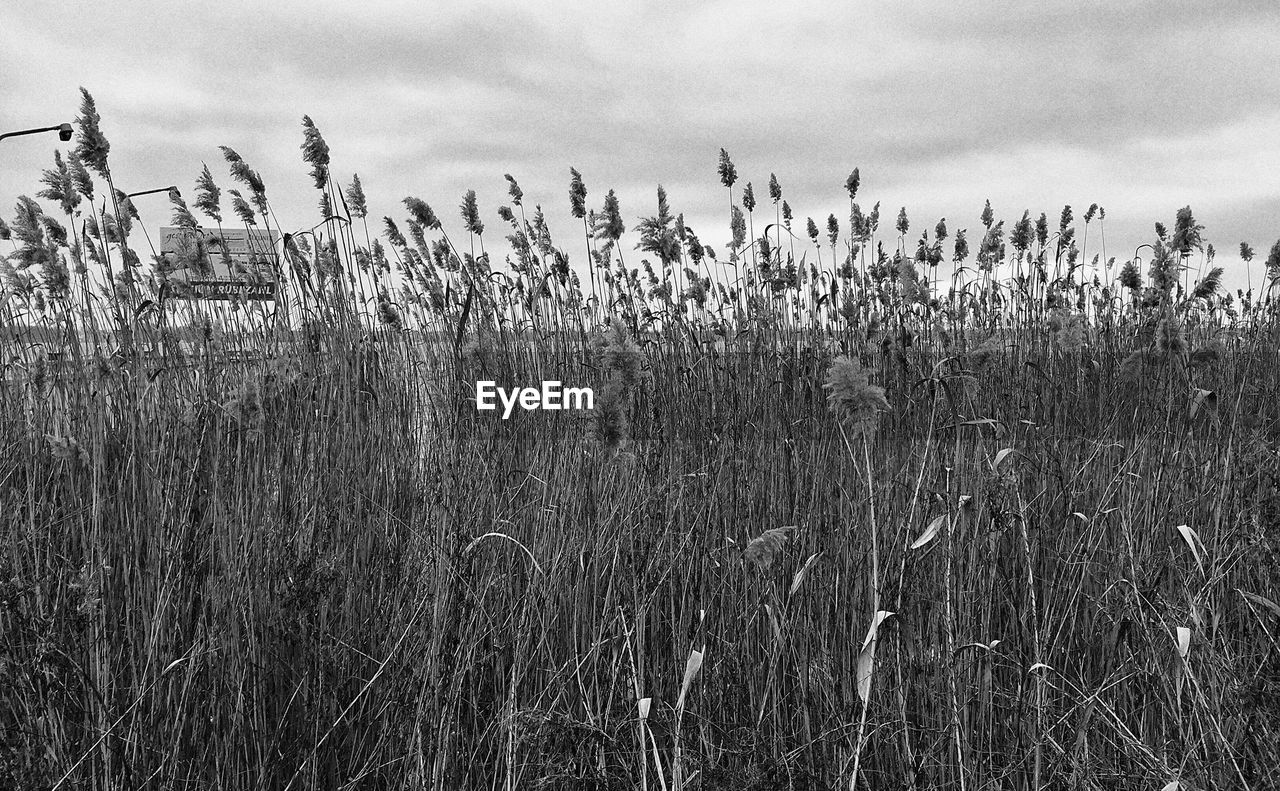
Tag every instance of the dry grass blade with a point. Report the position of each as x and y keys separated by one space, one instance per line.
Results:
x=988 y=647
x=866 y=665
x=476 y=541
x=874 y=630
x=691 y=667
x=1190 y=536
x=930 y=532
x=773 y=622
x=1001 y=456
x=1183 y=640
x=866 y=657
x=803 y=573
x=1261 y=601
x=1205 y=399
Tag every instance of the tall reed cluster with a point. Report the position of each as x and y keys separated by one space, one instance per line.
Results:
x=835 y=520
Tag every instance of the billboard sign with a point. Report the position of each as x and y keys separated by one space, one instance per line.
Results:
x=231 y=290
x=221 y=265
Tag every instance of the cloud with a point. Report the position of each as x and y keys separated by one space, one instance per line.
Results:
x=1140 y=106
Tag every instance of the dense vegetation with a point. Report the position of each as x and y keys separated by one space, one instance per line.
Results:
x=829 y=523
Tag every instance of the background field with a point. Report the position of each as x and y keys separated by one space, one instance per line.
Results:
x=1019 y=529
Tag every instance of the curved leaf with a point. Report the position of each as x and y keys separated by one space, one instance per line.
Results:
x=931 y=532
x=803 y=572
x=1001 y=456
x=1193 y=542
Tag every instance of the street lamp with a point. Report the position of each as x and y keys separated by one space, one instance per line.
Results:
x=127 y=199
x=63 y=130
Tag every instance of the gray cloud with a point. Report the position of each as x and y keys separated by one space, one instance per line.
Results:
x=1140 y=106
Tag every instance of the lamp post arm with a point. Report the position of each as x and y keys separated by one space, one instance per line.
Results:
x=152 y=192
x=63 y=130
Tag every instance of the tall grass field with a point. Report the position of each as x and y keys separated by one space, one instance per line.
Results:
x=859 y=503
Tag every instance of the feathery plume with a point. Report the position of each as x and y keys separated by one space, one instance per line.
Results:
x=1273 y=261
x=91 y=145
x=764 y=548
x=1131 y=276
x=208 y=195
x=513 y=189
x=656 y=234
x=56 y=279
x=1187 y=233
x=80 y=177
x=728 y=174
x=961 y=248
x=611 y=226
x=852 y=397
x=1208 y=287
x=59 y=185
x=315 y=152
x=26 y=222
x=859 y=228
x=247 y=176
x=738 y=228
x=1164 y=269
x=54 y=230
x=388 y=315
x=851 y=184
x=242 y=208
x=356 y=200
x=422 y=213
x=1020 y=238
x=577 y=194
x=471 y=213
x=622 y=357
x=182 y=216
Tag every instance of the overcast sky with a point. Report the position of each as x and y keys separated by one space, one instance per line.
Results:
x=1141 y=107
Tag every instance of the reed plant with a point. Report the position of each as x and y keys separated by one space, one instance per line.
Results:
x=847 y=525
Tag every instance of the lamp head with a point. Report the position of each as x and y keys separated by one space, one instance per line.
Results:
x=64 y=132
